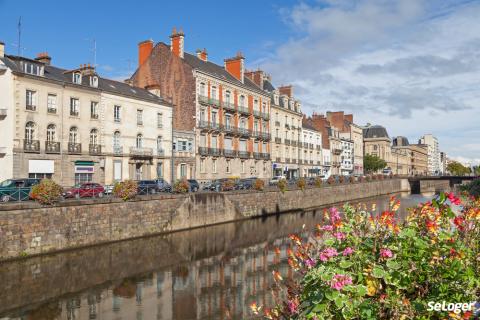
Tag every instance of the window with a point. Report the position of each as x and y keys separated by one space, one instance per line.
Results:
x=94 y=81
x=227 y=167
x=77 y=78
x=202 y=116
x=139 y=117
x=30 y=131
x=74 y=107
x=94 y=110
x=242 y=101
x=213 y=142
x=202 y=165
x=93 y=137
x=255 y=126
x=139 y=140
x=214 y=92
x=203 y=140
x=202 y=89
x=255 y=146
x=81 y=178
x=116 y=113
x=117 y=149
x=51 y=133
x=52 y=103
x=243 y=123
x=227 y=96
x=228 y=144
x=243 y=145
x=40 y=175
x=255 y=105
x=183 y=170
x=182 y=145
x=159 y=120
x=73 y=135
x=214 y=117
x=214 y=165
x=33 y=69
x=160 y=145
x=243 y=166
x=31 y=100
x=160 y=170
x=227 y=121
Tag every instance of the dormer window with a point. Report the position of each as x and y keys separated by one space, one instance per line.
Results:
x=32 y=68
x=77 y=78
x=94 y=82
x=276 y=100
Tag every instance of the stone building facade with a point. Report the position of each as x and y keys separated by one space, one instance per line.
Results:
x=74 y=126
x=225 y=112
x=434 y=160
x=418 y=155
x=312 y=153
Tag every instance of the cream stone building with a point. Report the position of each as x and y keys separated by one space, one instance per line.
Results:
x=418 y=155
x=312 y=155
x=74 y=126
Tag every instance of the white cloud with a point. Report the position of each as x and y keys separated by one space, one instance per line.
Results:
x=410 y=65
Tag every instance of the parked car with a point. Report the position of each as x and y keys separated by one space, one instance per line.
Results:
x=245 y=184
x=194 y=185
x=16 y=189
x=163 y=186
x=85 y=190
x=274 y=180
x=109 y=188
x=147 y=187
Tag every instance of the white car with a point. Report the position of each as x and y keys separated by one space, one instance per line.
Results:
x=275 y=180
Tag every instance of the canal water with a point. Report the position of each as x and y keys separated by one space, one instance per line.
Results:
x=207 y=273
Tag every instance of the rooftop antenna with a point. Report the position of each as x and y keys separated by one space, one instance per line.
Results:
x=19 y=32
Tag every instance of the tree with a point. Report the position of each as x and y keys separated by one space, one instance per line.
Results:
x=458 y=169
x=476 y=170
x=372 y=163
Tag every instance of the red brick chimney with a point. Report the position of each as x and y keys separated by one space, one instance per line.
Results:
x=144 y=50
x=235 y=66
x=320 y=122
x=256 y=76
x=44 y=58
x=176 y=42
x=202 y=54
x=286 y=90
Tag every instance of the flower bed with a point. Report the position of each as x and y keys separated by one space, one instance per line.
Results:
x=364 y=266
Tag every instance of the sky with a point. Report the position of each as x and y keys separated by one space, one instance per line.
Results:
x=412 y=66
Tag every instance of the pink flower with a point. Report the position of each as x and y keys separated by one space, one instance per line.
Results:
x=328 y=253
x=339 y=235
x=348 y=251
x=334 y=215
x=327 y=228
x=386 y=253
x=453 y=199
x=339 y=281
x=310 y=263
x=292 y=306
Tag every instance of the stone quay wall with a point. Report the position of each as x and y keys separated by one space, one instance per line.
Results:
x=28 y=229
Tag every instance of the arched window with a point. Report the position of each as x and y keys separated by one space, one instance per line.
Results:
x=51 y=133
x=214 y=92
x=139 y=140
x=30 y=131
x=242 y=101
x=203 y=92
x=73 y=135
x=94 y=137
x=116 y=138
x=227 y=96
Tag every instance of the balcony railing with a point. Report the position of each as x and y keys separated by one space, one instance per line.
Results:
x=52 y=110
x=294 y=143
x=202 y=99
x=203 y=151
x=31 y=146
x=228 y=106
x=229 y=129
x=244 y=132
x=257 y=113
x=117 y=150
x=287 y=160
x=305 y=145
x=31 y=107
x=74 y=113
x=74 y=148
x=160 y=152
x=311 y=145
x=207 y=125
x=243 y=154
x=278 y=140
x=287 y=126
x=318 y=148
x=263 y=156
x=229 y=153
x=243 y=110
x=94 y=149
x=141 y=152
x=287 y=142
x=278 y=159
x=337 y=151
x=311 y=161
x=210 y=101
x=215 y=152
x=265 y=116
x=265 y=136
x=52 y=147
x=277 y=123
x=94 y=116
x=327 y=164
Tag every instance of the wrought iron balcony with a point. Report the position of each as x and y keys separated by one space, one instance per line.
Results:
x=52 y=147
x=30 y=107
x=31 y=145
x=257 y=113
x=287 y=126
x=287 y=142
x=74 y=148
x=208 y=101
x=228 y=106
x=141 y=152
x=243 y=110
x=94 y=116
x=51 y=110
x=3 y=113
x=311 y=145
x=262 y=156
x=160 y=152
x=277 y=123
x=278 y=140
x=265 y=116
x=117 y=150
x=229 y=153
x=244 y=132
x=74 y=113
x=203 y=151
x=265 y=136
x=207 y=125
x=94 y=149
x=215 y=152
x=229 y=129
x=337 y=151
x=243 y=154
x=202 y=99
x=294 y=143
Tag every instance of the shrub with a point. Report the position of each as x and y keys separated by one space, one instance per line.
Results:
x=473 y=188
x=318 y=182
x=361 y=179
x=341 y=179
x=301 y=183
x=181 y=186
x=47 y=192
x=380 y=176
x=351 y=179
x=374 y=177
x=228 y=184
x=367 y=266
x=259 y=185
x=125 y=190
x=282 y=185
x=331 y=180
x=368 y=178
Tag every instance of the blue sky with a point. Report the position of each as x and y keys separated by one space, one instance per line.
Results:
x=410 y=65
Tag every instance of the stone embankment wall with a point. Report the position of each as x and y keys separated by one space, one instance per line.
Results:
x=28 y=229
x=434 y=185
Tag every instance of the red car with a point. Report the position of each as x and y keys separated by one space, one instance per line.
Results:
x=85 y=190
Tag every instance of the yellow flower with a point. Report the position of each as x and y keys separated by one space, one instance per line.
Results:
x=372 y=286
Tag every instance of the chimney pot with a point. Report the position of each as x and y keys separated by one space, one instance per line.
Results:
x=144 y=50
x=44 y=58
x=236 y=66
x=177 y=43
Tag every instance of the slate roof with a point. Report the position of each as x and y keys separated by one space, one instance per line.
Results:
x=308 y=126
x=400 y=141
x=65 y=76
x=375 y=132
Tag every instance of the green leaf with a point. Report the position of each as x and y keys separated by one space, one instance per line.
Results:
x=378 y=272
x=339 y=301
x=319 y=308
x=361 y=290
x=331 y=295
x=344 y=264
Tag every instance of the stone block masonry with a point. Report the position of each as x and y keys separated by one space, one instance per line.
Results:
x=28 y=229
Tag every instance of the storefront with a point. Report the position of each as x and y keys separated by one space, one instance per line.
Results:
x=41 y=169
x=84 y=171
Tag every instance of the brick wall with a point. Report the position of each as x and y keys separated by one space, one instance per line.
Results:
x=30 y=229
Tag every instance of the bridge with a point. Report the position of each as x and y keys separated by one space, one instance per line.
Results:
x=419 y=184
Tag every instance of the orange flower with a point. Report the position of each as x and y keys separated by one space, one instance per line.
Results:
x=277 y=276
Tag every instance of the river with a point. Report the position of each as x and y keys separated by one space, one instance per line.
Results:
x=214 y=272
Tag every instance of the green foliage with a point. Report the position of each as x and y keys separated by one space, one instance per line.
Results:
x=331 y=180
x=473 y=188
x=372 y=163
x=301 y=183
x=47 y=192
x=259 y=185
x=458 y=169
x=125 y=190
x=181 y=186
x=282 y=185
x=364 y=266
x=318 y=182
